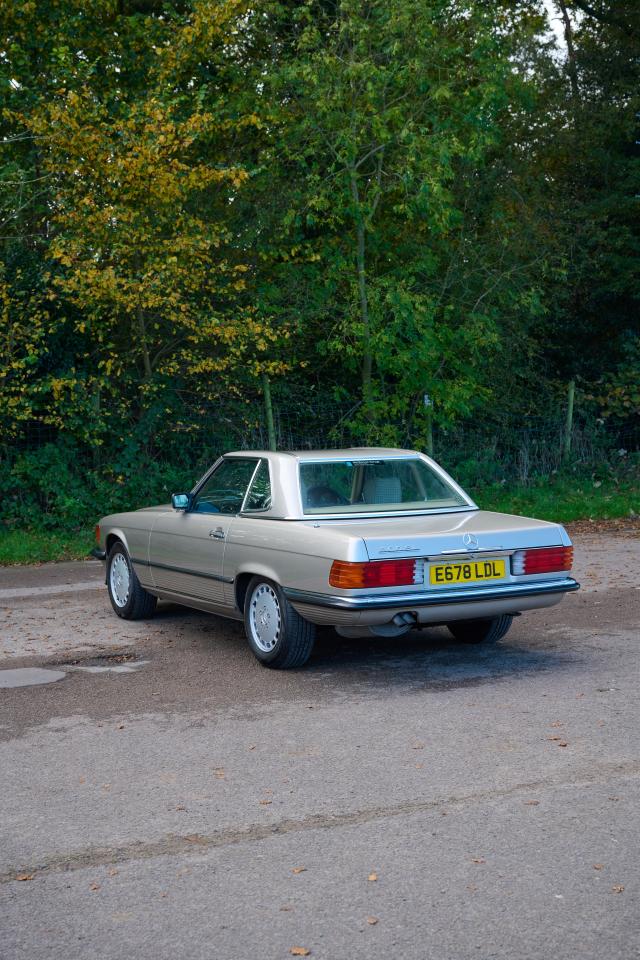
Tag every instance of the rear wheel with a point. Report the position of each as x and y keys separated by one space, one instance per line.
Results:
x=278 y=636
x=481 y=631
x=128 y=597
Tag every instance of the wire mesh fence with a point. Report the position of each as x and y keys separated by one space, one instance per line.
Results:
x=480 y=451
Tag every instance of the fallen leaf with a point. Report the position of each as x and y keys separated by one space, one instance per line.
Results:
x=121 y=726
x=286 y=909
x=372 y=921
x=112 y=872
x=181 y=806
x=556 y=723
x=419 y=766
x=563 y=743
x=531 y=803
x=417 y=746
x=94 y=886
x=617 y=888
x=82 y=780
x=219 y=773
x=598 y=866
x=24 y=876
x=554 y=738
x=252 y=747
x=298 y=870
x=265 y=803
x=372 y=877
x=299 y=951
x=478 y=860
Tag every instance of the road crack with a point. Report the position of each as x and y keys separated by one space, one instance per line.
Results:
x=174 y=844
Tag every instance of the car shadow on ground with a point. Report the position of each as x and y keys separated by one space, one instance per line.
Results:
x=431 y=658
x=427 y=658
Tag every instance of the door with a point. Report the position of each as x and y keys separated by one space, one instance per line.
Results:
x=187 y=547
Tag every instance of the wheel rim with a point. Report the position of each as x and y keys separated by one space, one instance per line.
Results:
x=120 y=579
x=265 y=620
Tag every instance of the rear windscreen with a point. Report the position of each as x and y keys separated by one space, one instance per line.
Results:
x=365 y=486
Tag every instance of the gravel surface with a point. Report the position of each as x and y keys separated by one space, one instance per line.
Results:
x=411 y=798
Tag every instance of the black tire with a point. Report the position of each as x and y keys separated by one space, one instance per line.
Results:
x=481 y=631
x=134 y=603
x=287 y=639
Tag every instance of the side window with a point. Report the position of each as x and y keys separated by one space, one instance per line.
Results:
x=259 y=497
x=225 y=489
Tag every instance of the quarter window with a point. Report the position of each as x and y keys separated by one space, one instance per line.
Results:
x=225 y=489
x=259 y=496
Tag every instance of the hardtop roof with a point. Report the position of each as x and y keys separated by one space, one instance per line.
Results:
x=348 y=453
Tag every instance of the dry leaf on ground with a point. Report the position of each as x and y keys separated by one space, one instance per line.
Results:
x=298 y=870
x=478 y=860
x=24 y=876
x=94 y=886
x=372 y=877
x=299 y=952
x=598 y=866
x=617 y=888
x=372 y=921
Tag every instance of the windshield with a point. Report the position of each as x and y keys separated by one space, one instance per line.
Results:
x=368 y=486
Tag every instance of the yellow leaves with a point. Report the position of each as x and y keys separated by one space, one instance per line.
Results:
x=299 y=952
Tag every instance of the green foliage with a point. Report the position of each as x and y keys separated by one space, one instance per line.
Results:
x=367 y=202
x=54 y=486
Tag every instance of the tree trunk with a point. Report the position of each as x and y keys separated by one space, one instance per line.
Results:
x=142 y=333
x=571 y=53
x=268 y=407
x=367 y=359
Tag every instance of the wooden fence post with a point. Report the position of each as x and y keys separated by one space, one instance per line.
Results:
x=428 y=410
x=568 y=427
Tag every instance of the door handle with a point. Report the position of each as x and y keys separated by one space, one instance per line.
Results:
x=217 y=534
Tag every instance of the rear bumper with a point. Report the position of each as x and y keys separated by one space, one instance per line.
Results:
x=442 y=598
x=428 y=608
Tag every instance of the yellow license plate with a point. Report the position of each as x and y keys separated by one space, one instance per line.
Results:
x=472 y=572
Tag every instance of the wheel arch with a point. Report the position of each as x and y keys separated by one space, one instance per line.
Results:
x=244 y=577
x=114 y=535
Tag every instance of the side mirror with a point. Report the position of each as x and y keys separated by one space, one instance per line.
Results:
x=180 y=501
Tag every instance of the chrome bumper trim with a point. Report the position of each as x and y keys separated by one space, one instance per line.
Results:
x=376 y=602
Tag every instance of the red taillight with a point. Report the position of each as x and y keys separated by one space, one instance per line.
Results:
x=377 y=573
x=98 y=533
x=542 y=560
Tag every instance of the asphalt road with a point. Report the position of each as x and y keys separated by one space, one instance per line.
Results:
x=168 y=797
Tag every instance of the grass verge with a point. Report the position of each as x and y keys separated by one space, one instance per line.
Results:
x=31 y=546
x=562 y=499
